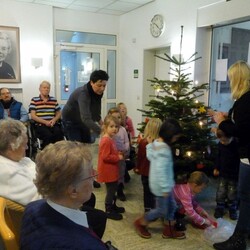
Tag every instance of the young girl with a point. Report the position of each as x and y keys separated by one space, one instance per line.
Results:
x=161 y=181
x=142 y=165
x=108 y=166
x=184 y=195
x=122 y=144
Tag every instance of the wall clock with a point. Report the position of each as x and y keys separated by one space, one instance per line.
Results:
x=157 y=25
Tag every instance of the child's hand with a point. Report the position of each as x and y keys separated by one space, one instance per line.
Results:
x=149 y=139
x=216 y=172
x=121 y=155
x=204 y=214
x=208 y=222
x=165 y=194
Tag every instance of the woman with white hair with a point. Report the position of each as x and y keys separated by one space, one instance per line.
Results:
x=16 y=170
x=6 y=70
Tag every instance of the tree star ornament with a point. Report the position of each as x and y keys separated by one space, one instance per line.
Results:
x=202 y=109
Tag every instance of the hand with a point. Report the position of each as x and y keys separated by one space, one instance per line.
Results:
x=121 y=156
x=216 y=172
x=219 y=117
x=149 y=139
x=165 y=195
x=208 y=222
x=204 y=214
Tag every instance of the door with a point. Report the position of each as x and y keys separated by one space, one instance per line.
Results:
x=74 y=64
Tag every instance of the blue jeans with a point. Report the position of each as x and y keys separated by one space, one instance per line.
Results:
x=165 y=207
x=243 y=223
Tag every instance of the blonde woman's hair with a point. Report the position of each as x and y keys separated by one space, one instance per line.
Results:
x=152 y=128
x=239 y=76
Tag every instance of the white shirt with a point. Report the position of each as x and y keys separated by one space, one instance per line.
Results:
x=75 y=215
x=16 y=180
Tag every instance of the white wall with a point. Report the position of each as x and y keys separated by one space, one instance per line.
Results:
x=36 y=23
x=36 y=40
x=135 y=26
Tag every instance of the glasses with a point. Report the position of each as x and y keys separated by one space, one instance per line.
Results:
x=92 y=176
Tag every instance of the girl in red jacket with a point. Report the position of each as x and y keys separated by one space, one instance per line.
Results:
x=108 y=166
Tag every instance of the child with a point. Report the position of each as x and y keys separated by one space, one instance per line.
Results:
x=227 y=168
x=122 y=144
x=187 y=205
x=128 y=125
x=126 y=120
x=108 y=166
x=142 y=166
x=161 y=181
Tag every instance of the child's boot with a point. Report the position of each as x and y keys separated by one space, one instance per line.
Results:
x=170 y=231
x=219 y=210
x=117 y=209
x=233 y=211
x=112 y=214
x=141 y=228
x=120 y=194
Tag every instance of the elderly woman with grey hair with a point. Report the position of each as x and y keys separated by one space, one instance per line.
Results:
x=6 y=70
x=17 y=171
x=65 y=178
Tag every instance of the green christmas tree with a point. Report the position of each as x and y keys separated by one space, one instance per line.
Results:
x=179 y=98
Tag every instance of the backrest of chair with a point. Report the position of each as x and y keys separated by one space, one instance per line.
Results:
x=10 y=223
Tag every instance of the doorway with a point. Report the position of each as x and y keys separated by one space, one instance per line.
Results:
x=154 y=67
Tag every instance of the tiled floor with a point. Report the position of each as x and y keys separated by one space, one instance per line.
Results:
x=123 y=235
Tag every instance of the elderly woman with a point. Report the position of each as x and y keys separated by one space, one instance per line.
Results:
x=17 y=171
x=65 y=178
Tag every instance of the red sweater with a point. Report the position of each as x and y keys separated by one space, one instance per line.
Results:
x=142 y=164
x=108 y=159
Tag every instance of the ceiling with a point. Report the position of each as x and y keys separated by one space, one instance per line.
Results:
x=111 y=7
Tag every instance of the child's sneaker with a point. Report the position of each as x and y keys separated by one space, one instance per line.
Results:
x=142 y=230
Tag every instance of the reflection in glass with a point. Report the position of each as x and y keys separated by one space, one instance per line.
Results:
x=75 y=70
x=85 y=38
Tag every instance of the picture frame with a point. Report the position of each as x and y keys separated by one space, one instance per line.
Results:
x=10 y=55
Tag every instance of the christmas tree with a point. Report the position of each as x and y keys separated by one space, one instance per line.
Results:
x=179 y=98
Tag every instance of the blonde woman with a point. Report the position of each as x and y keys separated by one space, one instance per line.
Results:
x=238 y=124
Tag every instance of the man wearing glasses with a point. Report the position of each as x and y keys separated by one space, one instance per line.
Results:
x=10 y=108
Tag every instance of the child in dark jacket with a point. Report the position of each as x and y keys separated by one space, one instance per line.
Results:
x=227 y=167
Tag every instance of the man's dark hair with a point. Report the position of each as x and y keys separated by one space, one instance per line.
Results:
x=169 y=128
x=99 y=75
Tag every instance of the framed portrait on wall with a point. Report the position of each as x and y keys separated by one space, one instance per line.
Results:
x=9 y=55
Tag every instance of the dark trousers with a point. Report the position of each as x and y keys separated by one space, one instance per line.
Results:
x=77 y=132
x=49 y=134
x=96 y=218
x=227 y=192
x=243 y=223
x=148 y=197
x=111 y=189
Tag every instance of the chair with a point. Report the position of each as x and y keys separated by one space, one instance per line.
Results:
x=10 y=223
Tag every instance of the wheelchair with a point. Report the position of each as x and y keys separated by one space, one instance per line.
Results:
x=35 y=143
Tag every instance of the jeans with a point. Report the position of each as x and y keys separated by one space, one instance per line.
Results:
x=243 y=223
x=165 y=207
x=227 y=192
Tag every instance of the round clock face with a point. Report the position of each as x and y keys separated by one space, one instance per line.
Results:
x=157 y=25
